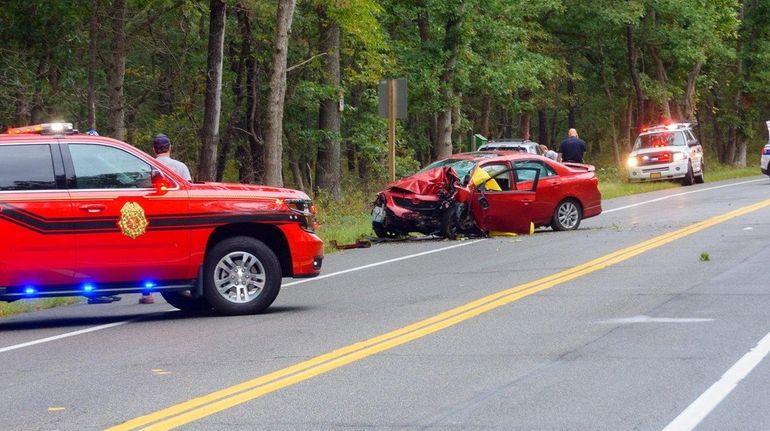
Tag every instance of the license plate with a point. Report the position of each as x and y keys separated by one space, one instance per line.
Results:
x=378 y=214
x=655 y=175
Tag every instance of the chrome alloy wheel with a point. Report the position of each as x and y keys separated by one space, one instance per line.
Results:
x=239 y=277
x=568 y=215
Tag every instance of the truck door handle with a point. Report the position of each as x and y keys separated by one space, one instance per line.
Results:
x=93 y=208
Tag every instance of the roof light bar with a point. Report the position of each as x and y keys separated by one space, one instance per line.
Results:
x=43 y=129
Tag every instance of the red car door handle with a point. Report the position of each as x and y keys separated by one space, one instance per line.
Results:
x=93 y=208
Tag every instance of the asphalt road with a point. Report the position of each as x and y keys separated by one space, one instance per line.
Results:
x=651 y=315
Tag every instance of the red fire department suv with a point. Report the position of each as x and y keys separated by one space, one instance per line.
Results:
x=92 y=216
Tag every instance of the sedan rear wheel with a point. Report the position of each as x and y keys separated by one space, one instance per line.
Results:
x=241 y=276
x=567 y=215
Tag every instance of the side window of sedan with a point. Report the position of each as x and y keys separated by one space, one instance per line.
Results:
x=26 y=167
x=493 y=177
x=104 y=167
x=529 y=174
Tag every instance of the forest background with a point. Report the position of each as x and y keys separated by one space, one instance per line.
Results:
x=284 y=92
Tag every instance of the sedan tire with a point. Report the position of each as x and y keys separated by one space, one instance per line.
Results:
x=241 y=276
x=567 y=215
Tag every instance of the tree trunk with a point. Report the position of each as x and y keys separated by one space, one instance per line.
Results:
x=442 y=147
x=571 y=95
x=117 y=71
x=92 y=47
x=328 y=163
x=524 y=121
x=633 y=56
x=207 y=167
x=689 y=95
x=486 y=107
x=542 y=127
x=277 y=94
x=662 y=77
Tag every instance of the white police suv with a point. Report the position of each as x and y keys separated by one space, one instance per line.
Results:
x=765 y=159
x=667 y=152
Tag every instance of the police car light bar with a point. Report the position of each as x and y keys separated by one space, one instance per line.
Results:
x=43 y=129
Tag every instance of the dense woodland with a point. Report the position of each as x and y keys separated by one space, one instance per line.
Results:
x=284 y=92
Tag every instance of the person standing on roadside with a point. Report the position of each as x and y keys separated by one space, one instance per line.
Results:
x=161 y=144
x=551 y=154
x=572 y=148
x=162 y=147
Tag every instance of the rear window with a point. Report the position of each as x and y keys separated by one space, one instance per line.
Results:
x=26 y=167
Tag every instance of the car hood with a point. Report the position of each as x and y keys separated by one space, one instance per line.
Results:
x=234 y=189
x=429 y=182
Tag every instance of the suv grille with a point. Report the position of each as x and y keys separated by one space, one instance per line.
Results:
x=654 y=158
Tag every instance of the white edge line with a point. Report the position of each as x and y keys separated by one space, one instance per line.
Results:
x=384 y=262
x=65 y=335
x=681 y=194
x=707 y=402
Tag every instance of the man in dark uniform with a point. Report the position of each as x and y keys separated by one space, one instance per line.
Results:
x=572 y=148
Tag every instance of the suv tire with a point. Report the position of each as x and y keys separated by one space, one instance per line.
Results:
x=241 y=275
x=701 y=177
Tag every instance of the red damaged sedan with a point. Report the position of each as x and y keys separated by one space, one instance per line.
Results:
x=483 y=192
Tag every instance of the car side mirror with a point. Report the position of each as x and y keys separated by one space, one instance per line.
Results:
x=159 y=182
x=692 y=143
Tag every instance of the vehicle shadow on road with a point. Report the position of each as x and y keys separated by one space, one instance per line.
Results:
x=37 y=322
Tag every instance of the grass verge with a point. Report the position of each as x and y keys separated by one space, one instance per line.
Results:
x=27 y=305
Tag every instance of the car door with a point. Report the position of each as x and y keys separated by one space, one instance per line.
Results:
x=549 y=187
x=129 y=231
x=498 y=206
x=37 y=246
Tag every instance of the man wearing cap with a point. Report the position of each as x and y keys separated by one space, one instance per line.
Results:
x=162 y=147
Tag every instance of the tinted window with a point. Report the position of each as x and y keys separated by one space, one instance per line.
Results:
x=104 y=167
x=26 y=167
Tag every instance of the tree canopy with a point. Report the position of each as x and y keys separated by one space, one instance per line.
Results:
x=501 y=68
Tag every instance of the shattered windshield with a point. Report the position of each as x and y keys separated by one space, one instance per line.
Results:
x=461 y=166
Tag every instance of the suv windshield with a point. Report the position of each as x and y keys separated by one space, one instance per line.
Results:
x=655 y=140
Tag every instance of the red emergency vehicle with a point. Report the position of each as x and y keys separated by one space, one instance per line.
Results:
x=92 y=216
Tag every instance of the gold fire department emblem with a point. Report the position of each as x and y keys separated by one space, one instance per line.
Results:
x=132 y=220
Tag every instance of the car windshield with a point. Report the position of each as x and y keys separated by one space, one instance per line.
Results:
x=461 y=166
x=655 y=140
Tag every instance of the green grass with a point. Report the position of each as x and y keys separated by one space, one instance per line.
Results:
x=25 y=306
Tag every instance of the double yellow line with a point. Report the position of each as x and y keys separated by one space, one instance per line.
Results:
x=214 y=402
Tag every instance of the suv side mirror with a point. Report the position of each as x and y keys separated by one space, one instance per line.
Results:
x=159 y=181
x=692 y=142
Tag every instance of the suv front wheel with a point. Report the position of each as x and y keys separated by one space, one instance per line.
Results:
x=241 y=276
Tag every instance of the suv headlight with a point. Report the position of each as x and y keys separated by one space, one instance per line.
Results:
x=632 y=162
x=305 y=211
